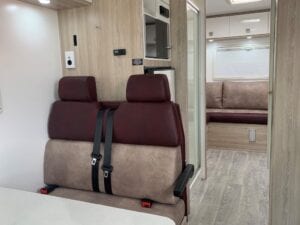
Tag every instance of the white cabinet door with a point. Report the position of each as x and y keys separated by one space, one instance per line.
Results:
x=217 y=27
x=250 y=24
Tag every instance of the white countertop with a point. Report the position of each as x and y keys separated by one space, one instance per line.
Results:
x=26 y=208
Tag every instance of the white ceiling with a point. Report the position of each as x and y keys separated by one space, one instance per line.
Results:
x=217 y=7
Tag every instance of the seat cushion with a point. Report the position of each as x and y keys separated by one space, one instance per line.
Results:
x=214 y=92
x=245 y=95
x=138 y=171
x=174 y=212
x=237 y=116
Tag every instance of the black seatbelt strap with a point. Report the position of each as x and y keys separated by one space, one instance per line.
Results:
x=107 y=168
x=96 y=156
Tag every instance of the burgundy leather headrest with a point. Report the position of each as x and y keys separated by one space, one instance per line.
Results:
x=81 y=89
x=148 y=88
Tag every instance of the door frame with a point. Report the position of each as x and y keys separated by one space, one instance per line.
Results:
x=202 y=172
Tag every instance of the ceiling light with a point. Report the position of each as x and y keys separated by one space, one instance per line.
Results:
x=251 y=21
x=45 y=2
x=233 y=2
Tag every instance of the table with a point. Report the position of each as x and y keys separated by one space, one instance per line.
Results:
x=26 y=208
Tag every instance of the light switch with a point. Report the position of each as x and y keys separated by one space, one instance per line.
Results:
x=70 y=60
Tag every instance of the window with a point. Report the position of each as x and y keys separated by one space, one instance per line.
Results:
x=246 y=62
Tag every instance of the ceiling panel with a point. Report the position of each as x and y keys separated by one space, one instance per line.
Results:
x=61 y=4
x=218 y=7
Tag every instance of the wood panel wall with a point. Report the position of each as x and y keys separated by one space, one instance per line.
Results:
x=285 y=154
x=102 y=27
x=179 y=55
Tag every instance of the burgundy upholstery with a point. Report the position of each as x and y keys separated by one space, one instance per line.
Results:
x=148 y=88
x=248 y=118
x=74 y=117
x=73 y=120
x=78 y=89
x=146 y=124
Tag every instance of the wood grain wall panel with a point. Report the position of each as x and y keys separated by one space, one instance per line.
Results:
x=60 y=4
x=285 y=154
x=101 y=28
x=179 y=55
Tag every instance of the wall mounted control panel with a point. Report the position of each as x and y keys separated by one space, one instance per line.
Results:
x=119 y=52
x=70 y=60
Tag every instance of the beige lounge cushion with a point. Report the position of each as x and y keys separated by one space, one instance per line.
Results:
x=214 y=94
x=175 y=212
x=245 y=95
x=138 y=171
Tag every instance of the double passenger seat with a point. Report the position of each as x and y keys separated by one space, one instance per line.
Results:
x=147 y=153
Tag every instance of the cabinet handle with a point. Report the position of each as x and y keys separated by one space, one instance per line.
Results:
x=248 y=31
x=211 y=34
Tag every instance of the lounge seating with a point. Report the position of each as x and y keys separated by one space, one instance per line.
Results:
x=148 y=153
x=237 y=102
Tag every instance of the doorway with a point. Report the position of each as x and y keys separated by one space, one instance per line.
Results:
x=236 y=190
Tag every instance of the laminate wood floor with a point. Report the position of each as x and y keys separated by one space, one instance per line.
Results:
x=236 y=191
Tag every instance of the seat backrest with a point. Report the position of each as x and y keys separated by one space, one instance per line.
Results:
x=147 y=151
x=74 y=116
x=245 y=95
x=214 y=95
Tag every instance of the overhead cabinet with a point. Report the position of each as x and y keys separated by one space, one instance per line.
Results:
x=218 y=27
x=249 y=24
x=239 y=25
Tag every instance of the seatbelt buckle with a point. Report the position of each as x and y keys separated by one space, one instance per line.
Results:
x=146 y=203
x=107 y=170
x=95 y=159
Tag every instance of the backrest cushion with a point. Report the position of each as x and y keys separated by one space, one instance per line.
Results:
x=146 y=124
x=74 y=117
x=148 y=88
x=138 y=171
x=214 y=95
x=245 y=95
x=77 y=89
x=73 y=120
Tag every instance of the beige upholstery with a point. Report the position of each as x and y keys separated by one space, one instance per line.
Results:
x=138 y=171
x=214 y=94
x=245 y=95
x=174 y=212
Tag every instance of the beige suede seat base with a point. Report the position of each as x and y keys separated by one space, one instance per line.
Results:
x=174 y=212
